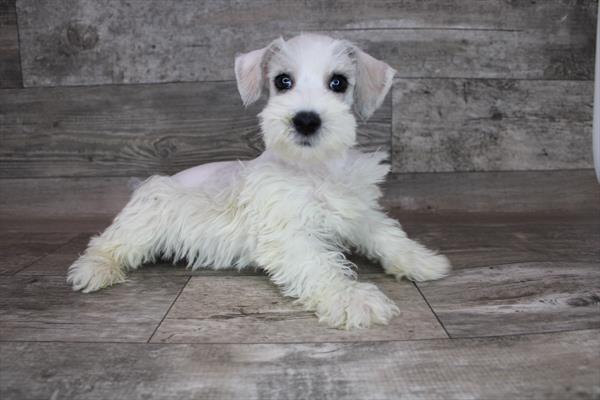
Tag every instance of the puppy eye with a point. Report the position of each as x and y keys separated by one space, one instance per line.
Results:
x=338 y=83
x=283 y=82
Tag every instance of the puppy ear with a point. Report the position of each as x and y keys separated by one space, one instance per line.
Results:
x=373 y=81
x=250 y=70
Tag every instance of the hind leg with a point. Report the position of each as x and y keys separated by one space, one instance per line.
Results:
x=108 y=256
x=134 y=237
x=105 y=263
x=95 y=269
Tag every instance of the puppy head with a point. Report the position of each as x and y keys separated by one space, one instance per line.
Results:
x=314 y=82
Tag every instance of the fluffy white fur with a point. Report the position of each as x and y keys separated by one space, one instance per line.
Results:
x=294 y=210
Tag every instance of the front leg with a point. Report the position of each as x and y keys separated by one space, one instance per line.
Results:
x=380 y=237
x=323 y=281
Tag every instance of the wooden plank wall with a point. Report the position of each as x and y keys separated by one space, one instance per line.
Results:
x=84 y=42
x=10 y=64
x=115 y=88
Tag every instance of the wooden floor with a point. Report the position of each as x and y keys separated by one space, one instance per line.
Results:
x=518 y=318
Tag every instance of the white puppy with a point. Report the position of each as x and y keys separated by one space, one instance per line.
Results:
x=293 y=210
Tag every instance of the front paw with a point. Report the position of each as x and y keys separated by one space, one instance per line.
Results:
x=354 y=305
x=423 y=265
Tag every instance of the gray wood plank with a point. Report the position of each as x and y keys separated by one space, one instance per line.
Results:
x=517 y=298
x=58 y=261
x=54 y=200
x=137 y=130
x=74 y=224
x=252 y=310
x=44 y=308
x=18 y=250
x=550 y=366
x=550 y=192
x=474 y=241
x=10 y=64
x=57 y=201
x=112 y=41
x=490 y=125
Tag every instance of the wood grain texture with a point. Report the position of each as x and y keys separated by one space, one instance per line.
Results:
x=252 y=310
x=114 y=41
x=53 y=199
x=45 y=308
x=490 y=125
x=517 y=298
x=58 y=261
x=25 y=224
x=18 y=250
x=551 y=366
x=547 y=192
x=137 y=130
x=10 y=64
x=474 y=241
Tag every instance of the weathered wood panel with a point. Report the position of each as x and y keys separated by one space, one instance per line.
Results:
x=45 y=308
x=136 y=130
x=80 y=42
x=517 y=298
x=490 y=125
x=473 y=241
x=57 y=198
x=10 y=64
x=58 y=261
x=252 y=310
x=18 y=250
x=552 y=366
x=550 y=192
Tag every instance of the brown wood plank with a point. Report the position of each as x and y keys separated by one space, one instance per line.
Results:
x=81 y=42
x=553 y=193
x=517 y=298
x=491 y=125
x=10 y=64
x=550 y=366
x=18 y=250
x=45 y=308
x=252 y=310
x=137 y=130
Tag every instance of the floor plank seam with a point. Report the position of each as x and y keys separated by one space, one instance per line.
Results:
x=27 y=265
x=169 y=309
x=43 y=256
x=433 y=312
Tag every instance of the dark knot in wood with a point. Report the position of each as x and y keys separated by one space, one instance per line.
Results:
x=81 y=36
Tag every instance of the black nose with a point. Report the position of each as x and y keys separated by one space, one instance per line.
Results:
x=306 y=122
